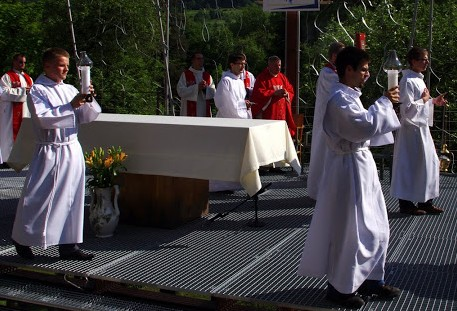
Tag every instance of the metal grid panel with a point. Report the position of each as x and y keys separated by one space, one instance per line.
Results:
x=226 y=258
x=49 y=296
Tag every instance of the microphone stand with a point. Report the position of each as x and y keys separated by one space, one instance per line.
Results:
x=255 y=197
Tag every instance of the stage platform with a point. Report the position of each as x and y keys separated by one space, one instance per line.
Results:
x=225 y=264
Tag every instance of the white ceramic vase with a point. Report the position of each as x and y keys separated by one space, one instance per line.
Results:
x=104 y=211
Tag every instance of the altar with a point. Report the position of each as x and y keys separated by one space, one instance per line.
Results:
x=170 y=159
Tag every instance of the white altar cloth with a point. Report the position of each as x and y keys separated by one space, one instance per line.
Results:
x=203 y=148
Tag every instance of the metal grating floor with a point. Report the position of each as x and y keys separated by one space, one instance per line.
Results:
x=225 y=258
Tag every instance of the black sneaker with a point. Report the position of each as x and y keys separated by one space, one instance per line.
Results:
x=351 y=301
x=408 y=207
x=381 y=292
x=77 y=255
x=413 y=211
x=23 y=251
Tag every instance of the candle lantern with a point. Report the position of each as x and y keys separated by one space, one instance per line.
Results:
x=392 y=67
x=84 y=66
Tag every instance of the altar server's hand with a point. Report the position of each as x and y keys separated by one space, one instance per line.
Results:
x=440 y=100
x=78 y=100
x=393 y=94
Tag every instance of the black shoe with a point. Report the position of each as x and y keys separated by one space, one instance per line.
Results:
x=77 y=255
x=23 y=251
x=351 y=301
x=413 y=211
x=382 y=291
x=432 y=209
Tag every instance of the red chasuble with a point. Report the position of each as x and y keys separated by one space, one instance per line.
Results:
x=278 y=108
x=17 y=106
x=192 y=105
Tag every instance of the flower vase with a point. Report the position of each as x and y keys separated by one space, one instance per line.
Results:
x=103 y=213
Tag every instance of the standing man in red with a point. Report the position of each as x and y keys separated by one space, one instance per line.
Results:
x=15 y=85
x=273 y=94
x=196 y=89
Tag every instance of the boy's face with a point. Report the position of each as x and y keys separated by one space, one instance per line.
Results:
x=57 y=69
x=357 y=78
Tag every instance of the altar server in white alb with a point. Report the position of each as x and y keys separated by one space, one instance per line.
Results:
x=415 y=171
x=231 y=102
x=51 y=207
x=230 y=98
x=327 y=79
x=15 y=84
x=349 y=232
x=196 y=89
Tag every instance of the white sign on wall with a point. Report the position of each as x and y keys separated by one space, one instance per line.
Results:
x=291 y=5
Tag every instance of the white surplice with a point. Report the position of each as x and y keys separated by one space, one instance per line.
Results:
x=230 y=98
x=192 y=93
x=51 y=207
x=10 y=95
x=349 y=233
x=327 y=79
x=415 y=170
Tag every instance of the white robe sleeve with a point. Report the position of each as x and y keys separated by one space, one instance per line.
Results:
x=354 y=123
x=11 y=94
x=88 y=112
x=413 y=110
x=210 y=89
x=186 y=92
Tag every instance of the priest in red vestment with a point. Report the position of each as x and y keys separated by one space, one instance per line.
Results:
x=273 y=94
x=15 y=85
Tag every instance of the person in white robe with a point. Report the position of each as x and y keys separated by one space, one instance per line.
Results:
x=349 y=232
x=51 y=206
x=231 y=102
x=15 y=84
x=230 y=98
x=196 y=89
x=415 y=169
x=327 y=79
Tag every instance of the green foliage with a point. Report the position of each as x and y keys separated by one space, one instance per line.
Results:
x=388 y=25
x=124 y=39
x=21 y=33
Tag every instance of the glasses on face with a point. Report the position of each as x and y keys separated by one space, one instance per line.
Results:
x=243 y=64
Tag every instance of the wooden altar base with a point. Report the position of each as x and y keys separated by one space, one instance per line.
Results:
x=161 y=201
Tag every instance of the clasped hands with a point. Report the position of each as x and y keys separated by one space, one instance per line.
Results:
x=282 y=93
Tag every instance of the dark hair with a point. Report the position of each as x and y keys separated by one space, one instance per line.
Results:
x=195 y=54
x=17 y=55
x=335 y=48
x=233 y=58
x=350 y=56
x=415 y=53
x=53 y=53
x=273 y=59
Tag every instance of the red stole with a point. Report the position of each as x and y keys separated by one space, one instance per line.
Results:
x=247 y=81
x=17 y=106
x=192 y=105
